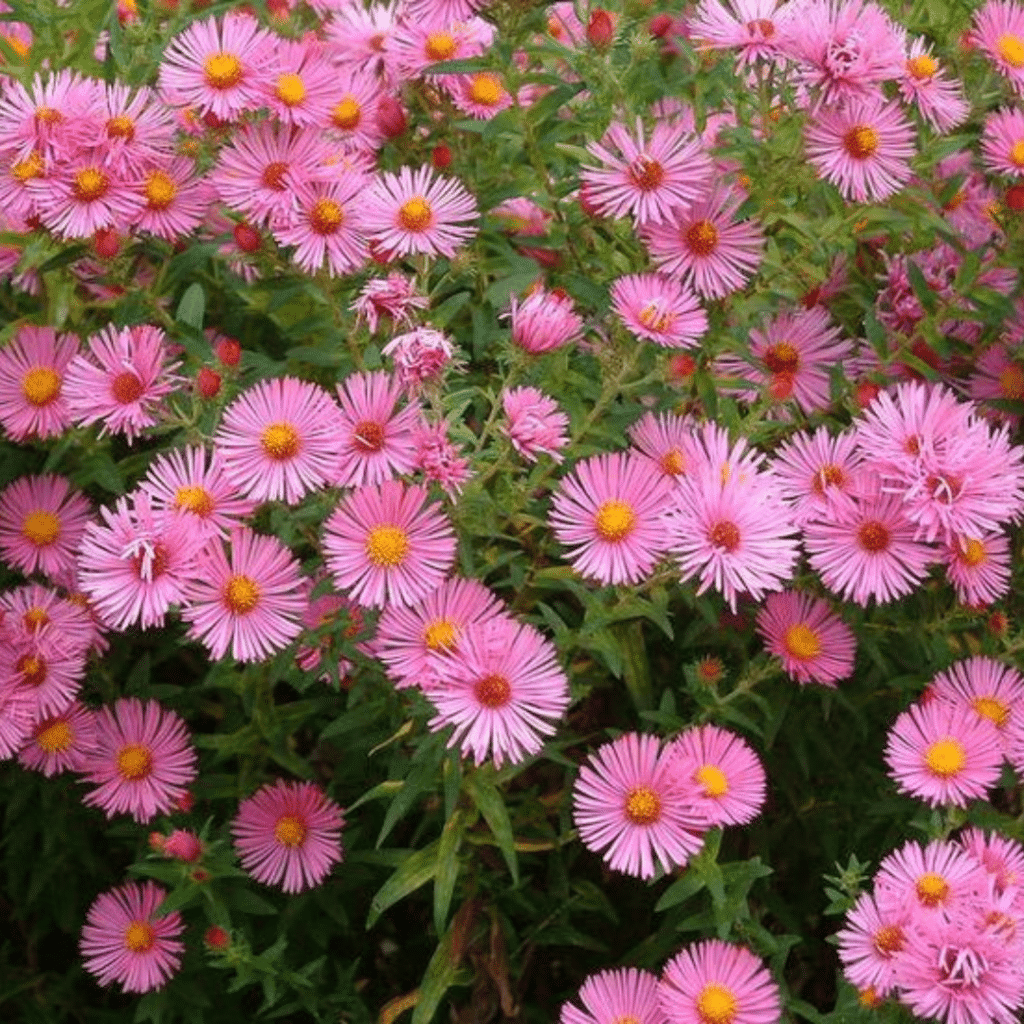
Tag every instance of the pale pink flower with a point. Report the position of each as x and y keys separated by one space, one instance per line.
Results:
x=417 y=44
x=536 y=424
x=993 y=689
x=420 y=356
x=668 y=441
x=360 y=37
x=300 y=81
x=814 y=471
x=177 y=199
x=626 y=994
x=52 y=117
x=939 y=98
x=978 y=567
x=480 y=95
x=754 y=29
x=82 y=195
x=870 y=943
x=1002 y=142
x=439 y=459
x=393 y=297
x=352 y=120
x=137 y=130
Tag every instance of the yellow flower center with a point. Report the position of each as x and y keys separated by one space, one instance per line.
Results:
x=387 y=546
x=932 y=889
x=222 y=70
x=290 y=830
x=486 y=89
x=782 y=358
x=31 y=167
x=40 y=527
x=869 y=998
x=89 y=185
x=47 y=115
x=439 y=46
x=291 y=90
x=946 y=758
x=280 y=441
x=121 y=127
x=1011 y=49
x=971 y=552
x=194 y=499
x=493 y=691
x=716 y=1004
x=861 y=141
x=347 y=114
x=139 y=937
x=41 y=385
x=160 y=190
x=1011 y=381
x=134 y=761
x=615 y=520
x=713 y=779
x=440 y=635
x=416 y=215
x=993 y=709
x=56 y=737
x=32 y=668
x=643 y=806
x=654 y=319
x=1017 y=153
x=702 y=238
x=241 y=595
x=802 y=642
x=646 y=173
x=326 y=216
x=922 y=66
x=19 y=46
x=673 y=462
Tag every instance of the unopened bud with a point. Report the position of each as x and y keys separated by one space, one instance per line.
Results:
x=106 y=243
x=441 y=157
x=247 y=238
x=216 y=937
x=208 y=382
x=391 y=119
x=600 y=30
x=229 y=352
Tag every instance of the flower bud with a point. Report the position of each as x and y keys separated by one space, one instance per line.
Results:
x=391 y=119
x=216 y=937
x=659 y=25
x=1015 y=198
x=600 y=30
x=229 y=352
x=247 y=238
x=106 y=243
x=208 y=382
x=441 y=157
x=183 y=845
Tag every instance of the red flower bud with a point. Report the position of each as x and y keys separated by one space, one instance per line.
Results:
x=247 y=238
x=680 y=368
x=106 y=243
x=867 y=391
x=600 y=30
x=659 y=25
x=391 y=119
x=208 y=382
x=998 y=624
x=216 y=937
x=156 y=841
x=1015 y=198
x=183 y=845
x=229 y=352
x=441 y=158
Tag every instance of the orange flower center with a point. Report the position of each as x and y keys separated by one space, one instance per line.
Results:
x=31 y=167
x=615 y=520
x=702 y=238
x=889 y=939
x=712 y=779
x=40 y=527
x=32 y=668
x=89 y=185
x=493 y=691
x=241 y=595
x=56 y=737
x=35 y=618
x=41 y=385
x=971 y=552
x=415 y=214
x=1011 y=49
x=828 y=475
x=273 y=176
x=160 y=190
x=326 y=216
x=946 y=758
x=673 y=462
x=1011 y=380
x=932 y=889
x=368 y=436
x=291 y=90
x=139 y=937
x=922 y=67
x=993 y=709
x=873 y=537
x=194 y=499
x=486 y=89
x=280 y=441
x=387 y=546
x=290 y=830
x=646 y=173
x=121 y=127
x=439 y=46
x=654 y=319
x=134 y=761
x=716 y=1004
x=782 y=358
x=47 y=115
x=725 y=535
x=861 y=142
x=126 y=387
x=222 y=70
x=643 y=806
x=347 y=114
x=440 y=635
x=802 y=642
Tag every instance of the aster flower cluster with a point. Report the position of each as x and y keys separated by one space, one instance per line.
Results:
x=940 y=931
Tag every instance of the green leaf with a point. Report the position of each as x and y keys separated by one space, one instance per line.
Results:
x=447 y=867
x=420 y=778
x=248 y=902
x=681 y=890
x=491 y=805
x=439 y=977
x=192 y=306
x=416 y=870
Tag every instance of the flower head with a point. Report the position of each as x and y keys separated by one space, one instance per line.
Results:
x=544 y=321
x=536 y=425
x=610 y=997
x=33 y=366
x=659 y=309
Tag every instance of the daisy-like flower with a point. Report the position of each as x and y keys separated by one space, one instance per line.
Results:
x=32 y=370
x=999 y=34
x=299 y=82
x=668 y=441
x=998 y=375
x=439 y=459
x=137 y=129
x=502 y=690
x=248 y=601
x=723 y=778
x=994 y=690
x=353 y=115
x=940 y=99
x=626 y=994
x=414 y=212
x=1000 y=857
x=535 y=423
x=544 y=321
x=394 y=298
x=218 y=67
x=121 y=380
x=715 y=981
x=978 y=568
x=385 y=544
x=659 y=309
x=142 y=763
x=124 y=940
x=870 y=942
x=60 y=743
x=629 y=807
x=754 y=29
x=481 y=95
x=191 y=481
x=289 y=834
x=411 y=640
x=360 y=37
x=706 y=246
x=42 y=520
x=609 y=515
x=864 y=148
x=814 y=644
x=52 y=116
x=931 y=882
x=375 y=438
x=420 y=356
x=278 y=440
x=815 y=470
x=418 y=44
x=176 y=199
x=1002 y=142
x=648 y=179
x=943 y=753
x=83 y=195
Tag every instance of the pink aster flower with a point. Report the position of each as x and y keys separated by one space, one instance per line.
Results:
x=360 y=37
x=289 y=834
x=385 y=544
x=278 y=440
x=299 y=82
x=998 y=377
x=41 y=524
x=502 y=690
x=414 y=212
x=33 y=365
x=536 y=425
x=375 y=437
x=412 y=640
x=137 y=129
x=943 y=754
x=393 y=297
x=629 y=807
x=706 y=246
x=864 y=148
x=177 y=199
x=421 y=356
x=17 y=715
x=940 y=99
x=609 y=515
x=52 y=116
x=418 y=44
x=626 y=994
x=754 y=29
x=1001 y=858
x=715 y=981
x=814 y=644
x=60 y=743
x=668 y=441
x=978 y=568
x=646 y=179
x=480 y=95
x=124 y=940
x=82 y=195
x=352 y=121
x=439 y=459
x=994 y=690
x=870 y=942
x=544 y=321
x=248 y=601
x=121 y=380
x=142 y=761
x=1002 y=142
x=999 y=34
x=722 y=776
x=816 y=470
x=218 y=67
x=659 y=309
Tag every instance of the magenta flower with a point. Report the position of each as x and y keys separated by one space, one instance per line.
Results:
x=33 y=365
x=943 y=753
x=386 y=544
x=60 y=743
x=610 y=516
x=414 y=212
x=610 y=997
x=715 y=981
x=289 y=834
x=755 y=29
x=647 y=179
x=629 y=807
x=248 y=601
x=816 y=470
x=124 y=940
x=870 y=943
x=481 y=95
x=393 y=297
x=421 y=356
x=668 y=441
x=940 y=99
x=536 y=424
x=978 y=568
x=660 y=309
x=930 y=882
x=544 y=321
x=502 y=689
x=993 y=689
x=82 y=195
x=177 y=199
x=17 y=715
x=278 y=440
x=999 y=34
x=143 y=760
x=814 y=644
